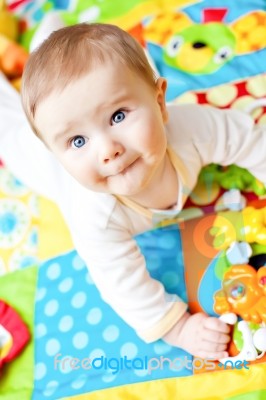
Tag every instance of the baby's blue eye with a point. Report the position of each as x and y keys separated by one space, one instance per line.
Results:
x=118 y=117
x=78 y=142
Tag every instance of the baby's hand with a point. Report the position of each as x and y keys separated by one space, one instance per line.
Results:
x=200 y=335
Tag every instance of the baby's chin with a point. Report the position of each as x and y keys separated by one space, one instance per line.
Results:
x=131 y=185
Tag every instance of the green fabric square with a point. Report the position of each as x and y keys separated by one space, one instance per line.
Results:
x=18 y=290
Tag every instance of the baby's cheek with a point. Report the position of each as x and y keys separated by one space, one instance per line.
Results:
x=81 y=171
x=90 y=176
x=151 y=138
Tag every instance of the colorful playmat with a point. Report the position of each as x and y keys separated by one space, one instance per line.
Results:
x=73 y=345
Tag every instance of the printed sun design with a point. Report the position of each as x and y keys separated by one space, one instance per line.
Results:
x=21 y=259
x=14 y=222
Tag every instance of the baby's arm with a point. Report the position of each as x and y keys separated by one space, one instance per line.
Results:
x=200 y=335
x=208 y=135
x=119 y=271
x=24 y=154
x=233 y=139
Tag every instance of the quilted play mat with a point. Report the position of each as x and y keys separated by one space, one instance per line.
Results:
x=58 y=339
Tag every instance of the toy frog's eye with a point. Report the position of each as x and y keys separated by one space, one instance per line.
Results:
x=174 y=45
x=238 y=291
x=223 y=54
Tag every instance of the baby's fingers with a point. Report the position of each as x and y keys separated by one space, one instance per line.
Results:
x=215 y=337
x=216 y=324
x=210 y=347
x=212 y=350
x=209 y=355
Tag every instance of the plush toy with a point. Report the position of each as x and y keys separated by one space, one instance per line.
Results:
x=8 y=23
x=12 y=56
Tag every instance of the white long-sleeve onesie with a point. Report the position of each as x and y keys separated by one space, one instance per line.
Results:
x=102 y=227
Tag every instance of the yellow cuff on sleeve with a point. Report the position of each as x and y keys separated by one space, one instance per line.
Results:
x=161 y=328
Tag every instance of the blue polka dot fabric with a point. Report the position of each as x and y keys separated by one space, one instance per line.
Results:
x=81 y=345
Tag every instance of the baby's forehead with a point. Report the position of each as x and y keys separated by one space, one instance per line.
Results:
x=96 y=89
x=118 y=75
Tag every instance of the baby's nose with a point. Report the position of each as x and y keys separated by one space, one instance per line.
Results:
x=110 y=150
x=111 y=156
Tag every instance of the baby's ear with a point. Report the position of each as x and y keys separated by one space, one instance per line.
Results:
x=161 y=86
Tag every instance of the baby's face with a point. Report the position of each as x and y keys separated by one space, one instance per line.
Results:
x=107 y=129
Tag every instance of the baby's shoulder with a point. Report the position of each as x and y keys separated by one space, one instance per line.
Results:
x=190 y=123
x=91 y=210
x=185 y=121
x=188 y=114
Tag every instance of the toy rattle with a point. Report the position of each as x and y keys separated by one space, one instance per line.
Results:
x=254 y=347
x=243 y=294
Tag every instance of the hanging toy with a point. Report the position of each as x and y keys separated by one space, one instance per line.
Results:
x=243 y=294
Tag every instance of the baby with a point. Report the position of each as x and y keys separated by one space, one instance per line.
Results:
x=115 y=158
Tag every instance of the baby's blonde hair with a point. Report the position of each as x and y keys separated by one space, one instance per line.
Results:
x=70 y=53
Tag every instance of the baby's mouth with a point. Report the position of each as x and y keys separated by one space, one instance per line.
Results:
x=125 y=170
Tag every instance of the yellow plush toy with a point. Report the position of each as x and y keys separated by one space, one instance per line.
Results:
x=12 y=56
x=8 y=23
